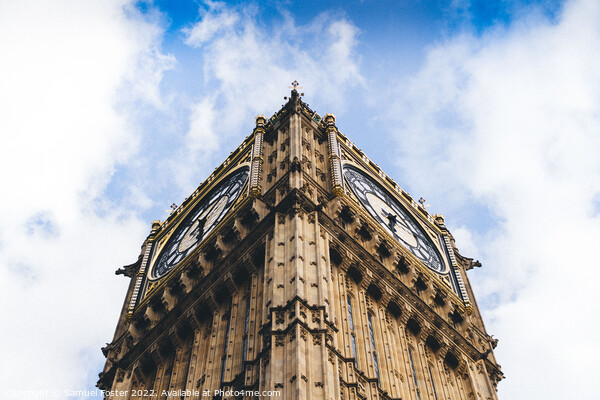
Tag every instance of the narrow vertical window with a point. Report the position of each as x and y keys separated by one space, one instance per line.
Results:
x=352 y=337
x=187 y=370
x=412 y=365
x=153 y=380
x=245 y=337
x=224 y=358
x=168 y=374
x=375 y=363
x=432 y=383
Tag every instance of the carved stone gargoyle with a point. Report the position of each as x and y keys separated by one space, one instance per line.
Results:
x=130 y=270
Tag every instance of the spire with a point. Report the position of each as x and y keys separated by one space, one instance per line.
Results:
x=293 y=103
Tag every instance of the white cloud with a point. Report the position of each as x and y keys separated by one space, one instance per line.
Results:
x=216 y=19
x=76 y=79
x=246 y=63
x=464 y=237
x=66 y=65
x=511 y=119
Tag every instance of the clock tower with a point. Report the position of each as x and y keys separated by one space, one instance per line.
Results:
x=300 y=270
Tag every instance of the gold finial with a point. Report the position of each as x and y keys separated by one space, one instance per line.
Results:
x=439 y=221
x=468 y=308
x=260 y=120
x=330 y=119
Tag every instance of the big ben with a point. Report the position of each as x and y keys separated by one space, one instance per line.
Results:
x=300 y=270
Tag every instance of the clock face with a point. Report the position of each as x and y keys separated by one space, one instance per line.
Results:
x=200 y=221
x=393 y=217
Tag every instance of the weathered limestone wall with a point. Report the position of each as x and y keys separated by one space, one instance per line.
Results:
x=302 y=293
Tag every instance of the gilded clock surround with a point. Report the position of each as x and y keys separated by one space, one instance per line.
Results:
x=300 y=289
x=197 y=224
x=382 y=205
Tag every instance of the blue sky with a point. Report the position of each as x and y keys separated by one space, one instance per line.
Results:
x=112 y=110
x=392 y=40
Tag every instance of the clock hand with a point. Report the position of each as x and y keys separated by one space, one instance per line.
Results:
x=391 y=221
x=200 y=228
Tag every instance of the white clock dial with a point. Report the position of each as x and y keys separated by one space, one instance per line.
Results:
x=393 y=217
x=200 y=221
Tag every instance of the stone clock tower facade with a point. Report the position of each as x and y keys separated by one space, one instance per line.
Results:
x=300 y=270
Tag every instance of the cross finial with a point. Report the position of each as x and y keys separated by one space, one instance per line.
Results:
x=295 y=85
x=422 y=201
x=173 y=208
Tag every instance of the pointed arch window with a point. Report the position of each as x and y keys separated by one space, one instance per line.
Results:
x=375 y=360
x=432 y=383
x=188 y=366
x=352 y=335
x=412 y=366
x=245 y=337
x=225 y=345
